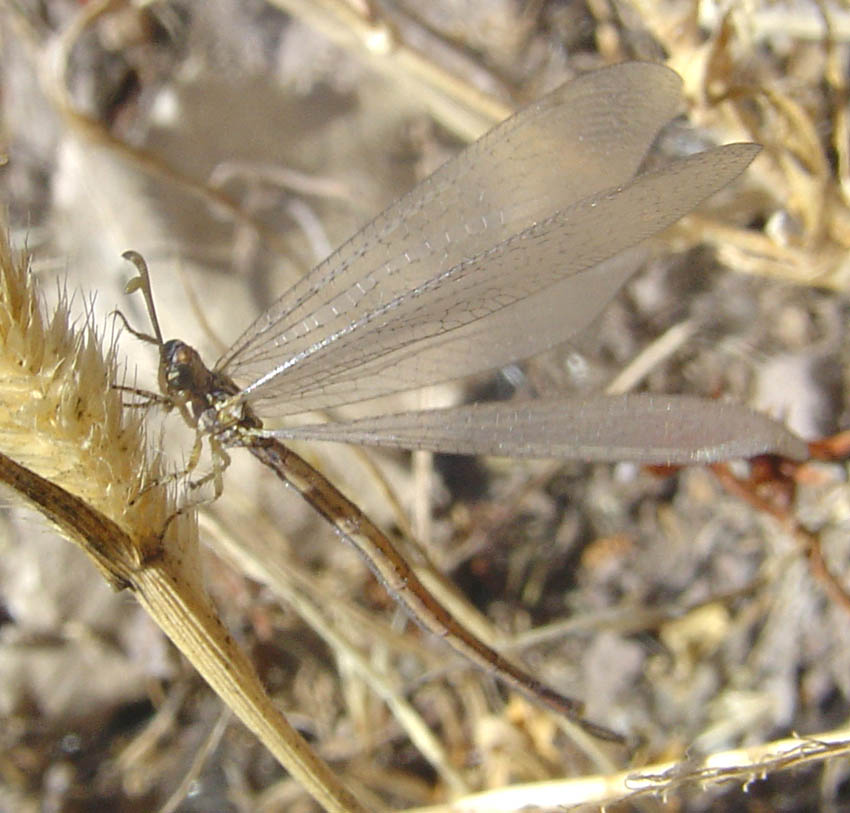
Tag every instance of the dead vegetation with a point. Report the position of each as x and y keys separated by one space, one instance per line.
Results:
x=703 y=612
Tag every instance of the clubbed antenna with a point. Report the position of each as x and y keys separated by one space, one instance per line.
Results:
x=143 y=283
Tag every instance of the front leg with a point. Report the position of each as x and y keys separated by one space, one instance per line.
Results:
x=149 y=398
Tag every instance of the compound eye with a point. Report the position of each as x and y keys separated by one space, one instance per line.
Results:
x=179 y=366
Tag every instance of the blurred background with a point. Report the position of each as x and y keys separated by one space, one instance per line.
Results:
x=235 y=144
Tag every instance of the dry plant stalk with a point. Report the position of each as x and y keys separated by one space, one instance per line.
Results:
x=750 y=249
x=457 y=104
x=742 y=765
x=84 y=462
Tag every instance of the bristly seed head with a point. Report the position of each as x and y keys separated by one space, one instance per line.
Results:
x=62 y=417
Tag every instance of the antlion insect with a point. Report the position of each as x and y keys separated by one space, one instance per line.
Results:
x=506 y=250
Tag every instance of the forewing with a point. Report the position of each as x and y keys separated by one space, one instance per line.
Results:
x=641 y=428
x=455 y=323
x=584 y=137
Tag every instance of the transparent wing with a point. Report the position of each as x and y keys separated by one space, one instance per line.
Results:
x=677 y=429
x=506 y=302
x=587 y=136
